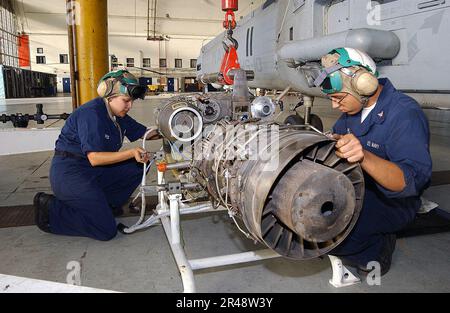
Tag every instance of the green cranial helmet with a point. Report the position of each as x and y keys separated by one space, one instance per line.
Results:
x=120 y=82
x=343 y=61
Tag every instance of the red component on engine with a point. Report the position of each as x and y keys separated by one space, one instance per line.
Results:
x=162 y=167
x=229 y=62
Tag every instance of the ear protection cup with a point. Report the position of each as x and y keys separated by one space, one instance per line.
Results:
x=364 y=82
x=105 y=88
x=106 y=85
x=120 y=82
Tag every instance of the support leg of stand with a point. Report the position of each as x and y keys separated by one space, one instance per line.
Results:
x=342 y=277
x=187 y=275
x=175 y=218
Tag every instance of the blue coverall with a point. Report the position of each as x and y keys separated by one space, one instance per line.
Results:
x=396 y=130
x=85 y=194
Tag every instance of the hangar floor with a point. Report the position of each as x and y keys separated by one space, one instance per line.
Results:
x=143 y=262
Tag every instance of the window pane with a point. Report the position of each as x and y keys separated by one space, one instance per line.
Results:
x=130 y=62
x=40 y=59
x=178 y=63
x=162 y=63
x=146 y=62
x=63 y=59
x=193 y=63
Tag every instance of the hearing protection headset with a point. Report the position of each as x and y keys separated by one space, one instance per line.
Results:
x=360 y=68
x=363 y=82
x=128 y=85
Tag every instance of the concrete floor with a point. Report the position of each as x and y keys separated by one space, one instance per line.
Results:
x=143 y=262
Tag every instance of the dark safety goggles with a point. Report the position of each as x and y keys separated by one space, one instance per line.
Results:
x=136 y=91
x=133 y=88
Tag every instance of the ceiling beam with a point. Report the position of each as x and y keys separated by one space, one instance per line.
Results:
x=175 y=19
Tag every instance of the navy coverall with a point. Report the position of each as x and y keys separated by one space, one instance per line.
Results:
x=85 y=194
x=396 y=130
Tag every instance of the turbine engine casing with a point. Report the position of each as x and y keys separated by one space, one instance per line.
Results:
x=300 y=199
x=179 y=119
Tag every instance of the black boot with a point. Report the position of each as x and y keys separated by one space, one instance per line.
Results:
x=385 y=258
x=41 y=203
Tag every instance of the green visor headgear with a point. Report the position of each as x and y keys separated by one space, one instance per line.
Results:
x=330 y=79
x=121 y=82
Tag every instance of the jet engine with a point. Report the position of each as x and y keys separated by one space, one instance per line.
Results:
x=286 y=184
x=282 y=183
